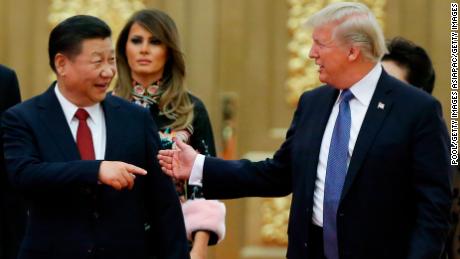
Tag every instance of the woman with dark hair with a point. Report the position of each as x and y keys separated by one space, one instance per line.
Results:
x=151 y=72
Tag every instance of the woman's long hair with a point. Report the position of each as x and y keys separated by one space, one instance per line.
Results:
x=174 y=102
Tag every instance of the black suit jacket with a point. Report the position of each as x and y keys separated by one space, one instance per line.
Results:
x=12 y=210
x=71 y=216
x=397 y=193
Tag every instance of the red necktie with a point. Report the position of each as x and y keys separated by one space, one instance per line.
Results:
x=84 y=137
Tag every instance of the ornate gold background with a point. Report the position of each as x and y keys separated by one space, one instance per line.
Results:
x=114 y=12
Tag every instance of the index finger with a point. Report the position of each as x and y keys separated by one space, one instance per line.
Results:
x=136 y=170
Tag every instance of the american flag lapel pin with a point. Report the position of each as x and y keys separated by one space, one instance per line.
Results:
x=381 y=106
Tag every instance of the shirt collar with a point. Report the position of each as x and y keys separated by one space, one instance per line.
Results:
x=365 y=88
x=94 y=111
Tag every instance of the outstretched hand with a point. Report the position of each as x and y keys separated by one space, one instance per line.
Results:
x=177 y=163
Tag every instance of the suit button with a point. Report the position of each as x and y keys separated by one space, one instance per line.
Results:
x=96 y=215
x=341 y=214
x=88 y=190
x=90 y=251
x=305 y=244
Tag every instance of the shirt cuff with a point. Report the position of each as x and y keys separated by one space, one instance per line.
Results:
x=196 y=177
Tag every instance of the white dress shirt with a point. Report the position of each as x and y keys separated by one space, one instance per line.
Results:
x=95 y=121
x=362 y=91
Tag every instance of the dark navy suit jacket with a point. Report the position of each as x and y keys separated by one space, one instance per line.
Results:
x=397 y=193
x=12 y=210
x=71 y=216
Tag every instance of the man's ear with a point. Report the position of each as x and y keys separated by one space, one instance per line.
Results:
x=353 y=53
x=60 y=63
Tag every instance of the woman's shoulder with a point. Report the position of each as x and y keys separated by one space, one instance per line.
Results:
x=197 y=103
x=193 y=98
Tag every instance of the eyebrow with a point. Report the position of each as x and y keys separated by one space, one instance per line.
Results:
x=317 y=41
x=99 y=53
x=140 y=36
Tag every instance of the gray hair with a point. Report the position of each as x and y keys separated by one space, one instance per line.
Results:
x=355 y=24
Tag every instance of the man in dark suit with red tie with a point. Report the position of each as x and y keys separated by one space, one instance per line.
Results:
x=366 y=157
x=86 y=161
x=12 y=210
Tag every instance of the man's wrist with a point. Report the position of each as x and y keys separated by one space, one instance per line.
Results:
x=196 y=174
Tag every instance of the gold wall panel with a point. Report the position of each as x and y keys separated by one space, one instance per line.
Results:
x=275 y=216
x=114 y=12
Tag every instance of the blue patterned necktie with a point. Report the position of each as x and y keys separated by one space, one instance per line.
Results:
x=335 y=175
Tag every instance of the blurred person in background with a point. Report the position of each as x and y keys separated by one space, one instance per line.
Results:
x=409 y=63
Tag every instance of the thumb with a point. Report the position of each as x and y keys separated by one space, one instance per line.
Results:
x=180 y=144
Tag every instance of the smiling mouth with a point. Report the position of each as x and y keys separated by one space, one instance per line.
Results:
x=102 y=85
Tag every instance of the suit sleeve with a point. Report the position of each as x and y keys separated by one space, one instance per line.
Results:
x=25 y=166
x=165 y=214
x=432 y=184
x=243 y=178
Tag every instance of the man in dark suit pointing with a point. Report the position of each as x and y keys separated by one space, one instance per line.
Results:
x=366 y=157
x=85 y=164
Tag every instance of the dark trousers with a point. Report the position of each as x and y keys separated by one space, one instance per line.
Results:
x=315 y=244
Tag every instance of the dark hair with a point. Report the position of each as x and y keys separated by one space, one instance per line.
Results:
x=415 y=59
x=67 y=36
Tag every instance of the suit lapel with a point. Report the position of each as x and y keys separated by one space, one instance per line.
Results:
x=114 y=130
x=321 y=110
x=50 y=112
x=378 y=109
x=321 y=117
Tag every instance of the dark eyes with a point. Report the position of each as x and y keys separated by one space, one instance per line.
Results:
x=99 y=61
x=318 y=43
x=136 y=40
x=155 y=42
x=140 y=40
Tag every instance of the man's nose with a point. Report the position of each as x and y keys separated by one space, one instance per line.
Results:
x=312 y=53
x=109 y=71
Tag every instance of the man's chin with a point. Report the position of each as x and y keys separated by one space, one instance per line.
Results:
x=101 y=97
x=322 y=79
